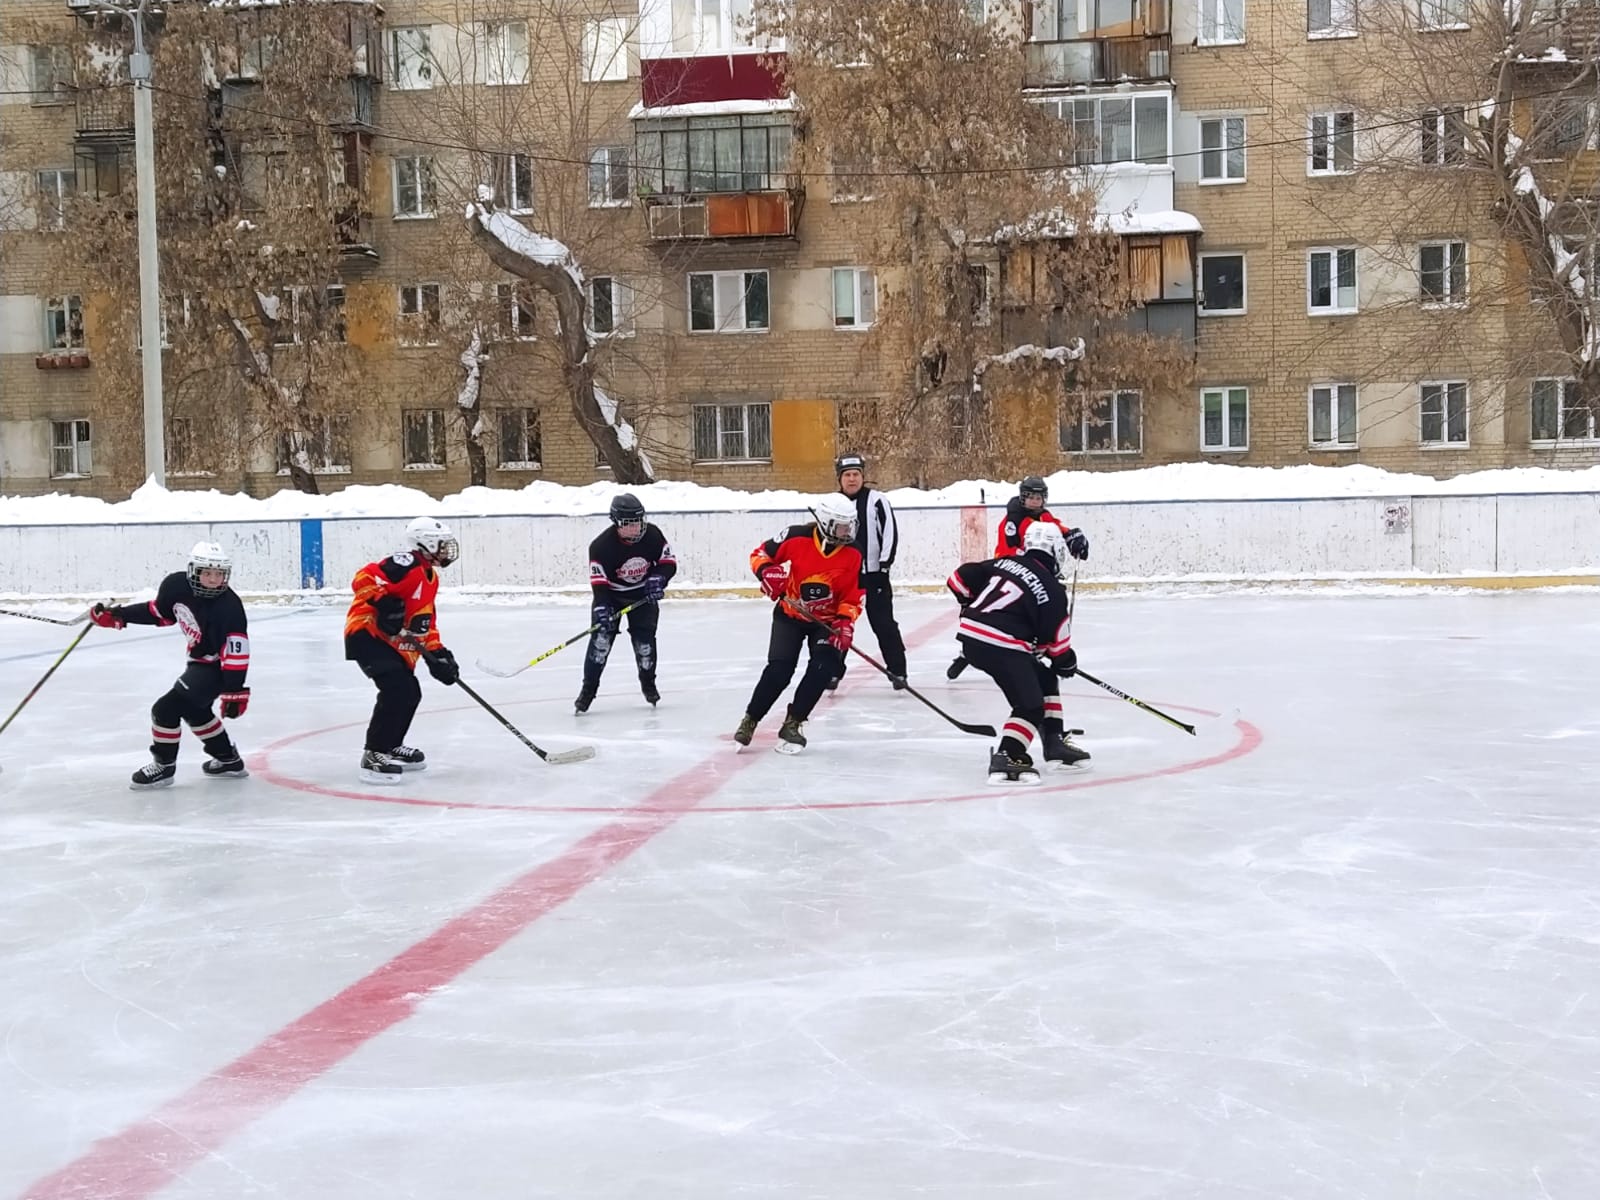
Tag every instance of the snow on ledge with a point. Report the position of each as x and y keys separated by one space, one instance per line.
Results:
x=1055 y=223
x=1177 y=482
x=711 y=108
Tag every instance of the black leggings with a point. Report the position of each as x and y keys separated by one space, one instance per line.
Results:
x=783 y=654
x=642 y=623
x=189 y=703
x=1031 y=688
x=399 y=693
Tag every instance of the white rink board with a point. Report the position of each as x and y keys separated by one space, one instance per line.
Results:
x=1396 y=537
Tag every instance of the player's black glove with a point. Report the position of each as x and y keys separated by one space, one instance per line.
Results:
x=442 y=666
x=602 y=615
x=1078 y=544
x=391 y=612
x=655 y=587
x=1065 y=665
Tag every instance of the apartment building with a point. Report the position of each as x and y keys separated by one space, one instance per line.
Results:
x=1307 y=232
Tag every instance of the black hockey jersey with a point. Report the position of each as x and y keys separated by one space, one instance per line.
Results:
x=1016 y=603
x=617 y=567
x=214 y=626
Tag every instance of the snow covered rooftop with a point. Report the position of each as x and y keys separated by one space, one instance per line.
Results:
x=1055 y=223
x=711 y=108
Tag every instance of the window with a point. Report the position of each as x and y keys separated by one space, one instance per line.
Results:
x=52 y=74
x=505 y=46
x=183 y=448
x=411 y=63
x=63 y=323
x=282 y=309
x=70 y=456
x=1561 y=414
x=423 y=430
x=605 y=49
x=1105 y=423
x=55 y=186
x=1222 y=284
x=1562 y=125
x=514 y=311
x=608 y=176
x=1333 y=416
x=413 y=186
x=1222 y=150
x=333 y=318
x=699 y=26
x=610 y=306
x=1333 y=144
x=101 y=171
x=419 y=314
x=1331 y=281
x=714 y=154
x=855 y=297
x=1442 y=14
x=1444 y=414
x=1109 y=129
x=1443 y=137
x=513 y=182
x=326 y=444
x=1443 y=270
x=732 y=432
x=1330 y=18
x=728 y=301
x=1225 y=418
x=980 y=281
x=1221 y=21
x=520 y=449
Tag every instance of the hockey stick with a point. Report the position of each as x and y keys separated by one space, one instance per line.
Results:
x=561 y=756
x=1121 y=695
x=82 y=633
x=577 y=637
x=11 y=612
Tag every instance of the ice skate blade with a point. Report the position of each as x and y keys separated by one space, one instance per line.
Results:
x=787 y=748
x=410 y=768
x=380 y=778
x=150 y=787
x=997 y=779
x=1077 y=768
x=228 y=775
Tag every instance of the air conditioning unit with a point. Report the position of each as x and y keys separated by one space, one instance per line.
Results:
x=1160 y=64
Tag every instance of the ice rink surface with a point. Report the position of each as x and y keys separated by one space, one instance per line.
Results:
x=1345 y=945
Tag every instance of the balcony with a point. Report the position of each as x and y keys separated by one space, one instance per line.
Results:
x=767 y=212
x=105 y=115
x=1084 y=61
x=354 y=230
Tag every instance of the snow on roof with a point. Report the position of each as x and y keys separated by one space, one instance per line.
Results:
x=711 y=108
x=1055 y=223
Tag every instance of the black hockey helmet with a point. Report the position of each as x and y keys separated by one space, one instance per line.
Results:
x=626 y=510
x=849 y=462
x=1033 y=485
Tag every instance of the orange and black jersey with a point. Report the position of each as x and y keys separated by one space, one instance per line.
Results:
x=213 y=626
x=414 y=581
x=1015 y=602
x=1008 y=538
x=826 y=582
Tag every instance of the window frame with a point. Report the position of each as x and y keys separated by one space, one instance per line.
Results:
x=621 y=304
x=1435 y=125
x=863 y=297
x=67 y=305
x=1086 y=113
x=1563 y=385
x=1223 y=151
x=81 y=448
x=332 y=434
x=1244 y=284
x=1227 y=392
x=720 y=433
x=53 y=219
x=513 y=182
x=605 y=158
x=1424 y=25
x=1213 y=14
x=1326 y=144
x=1335 y=397
x=501 y=67
x=721 y=279
x=528 y=417
x=1334 y=309
x=1349 y=28
x=592 y=44
x=1452 y=295
x=1085 y=404
x=1445 y=441
x=422 y=76
x=424 y=183
x=420 y=309
x=516 y=315
x=56 y=59
x=438 y=438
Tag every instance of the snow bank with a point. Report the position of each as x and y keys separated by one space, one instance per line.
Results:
x=1181 y=481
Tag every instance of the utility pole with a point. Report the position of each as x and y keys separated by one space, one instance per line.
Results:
x=144 y=172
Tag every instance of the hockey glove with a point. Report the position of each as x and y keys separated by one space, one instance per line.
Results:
x=840 y=634
x=234 y=703
x=603 y=615
x=105 y=618
x=773 y=580
x=391 y=612
x=1078 y=544
x=1066 y=663
x=655 y=587
x=442 y=666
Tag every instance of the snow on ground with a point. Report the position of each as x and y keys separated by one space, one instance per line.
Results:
x=1180 y=481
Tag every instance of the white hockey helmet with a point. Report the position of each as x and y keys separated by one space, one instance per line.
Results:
x=433 y=538
x=208 y=556
x=1042 y=535
x=836 y=518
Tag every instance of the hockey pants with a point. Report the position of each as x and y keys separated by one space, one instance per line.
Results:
x=189 y=703
x=642 y=623
x=399 y=693
x=789 y=634
x=1031 y=688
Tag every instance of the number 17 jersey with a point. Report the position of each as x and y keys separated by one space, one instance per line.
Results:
x=1014 y=603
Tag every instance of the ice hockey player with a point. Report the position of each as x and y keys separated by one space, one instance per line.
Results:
x=198 y=601
x=1014 y=607
x=629 y=564
x=877 y=538
x=1023 y=509
x=813 y=571
x=392 y=623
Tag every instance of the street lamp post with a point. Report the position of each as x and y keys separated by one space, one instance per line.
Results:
x=144 y=174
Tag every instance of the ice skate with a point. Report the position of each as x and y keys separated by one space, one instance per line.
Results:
x=1007 y=770
x=408 y=758
x=377 y=767
x=746 y=730
x=154 y=775
x=957 y=665
x=898 y=681
x=791 y=739
x=585 y=698
x=647 y=686
x=1062 y=754
x=225 y=768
